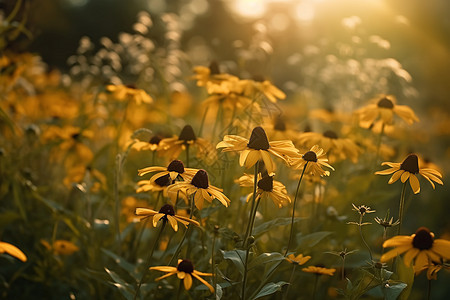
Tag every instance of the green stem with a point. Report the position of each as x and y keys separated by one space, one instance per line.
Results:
x=150 y=255
x=213 y=264
x=290 y=282
x=429 y=290
x=200 y=131
x=117 y=171
x=185 y=232
x=248 y=232
x=315 y=287
x=401 y=208
x=362 y=237
x=343 y=268
x=244 y=279
x=293 y=209
x=379 y=142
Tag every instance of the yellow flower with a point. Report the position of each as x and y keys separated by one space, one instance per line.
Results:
x=210 y=75
x=337 y=148
x=172 y=147
x=266 y=187
x=408 y=170
x=384 y=109
x=165 y=213
x=175 y=170
x=257 y=148
x=151 y=145
x=61 y=247
x=129 y=92
x=277 y=128
x=297 y=260
x=319 y=270
x=265 y=87
x=185 y=271
x=420 y=248
x=201 y=189
x=315 y=158
x=12 y=250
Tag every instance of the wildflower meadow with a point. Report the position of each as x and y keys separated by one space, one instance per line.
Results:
x=225 y=150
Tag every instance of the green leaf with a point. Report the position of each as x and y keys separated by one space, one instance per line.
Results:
x=405 y=275
x=312 y=239
x=264 y=227
x=391 y=292
x=237 y=257
x=130 y=268
x=270 y=288
x=219 y=292
x=125 y=289
x=264 y=259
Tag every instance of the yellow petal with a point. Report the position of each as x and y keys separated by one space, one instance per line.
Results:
x=405 y=176
x=414 y=182
x=173 y=222
x=12 y=250
x=409 y=256
x=187 y=281
x=442 y=247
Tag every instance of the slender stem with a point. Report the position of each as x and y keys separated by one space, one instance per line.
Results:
x=244 y=279
x=187 y=155
x=179 y=289
x=213 y=264
x=290 y=282
x=117 y=171
x=293 y=209
x=384 y=239
x=185 y=232
x=379 y=142
x=248 y=232
x=150 y=255
x=429 y=290
x=400 y=210
x=315 y=286
x=343 y=268
x=200 y=131
x=362 y=237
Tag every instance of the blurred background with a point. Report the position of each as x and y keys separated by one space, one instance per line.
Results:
x=414 y=32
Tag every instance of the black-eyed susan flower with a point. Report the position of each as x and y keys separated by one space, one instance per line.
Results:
x=210 y=75
x=151 y=145
x=175 y=170
x=315 y=158
x=420 y=248
x=384 y=108
x=266 y=187
x=167 y=214
x=201 y=189
x=185 y=271
x=336 y=147
x=264 y=87
x=129 y=92
x=362 y=209
x=172 y=147
x=408 y=170
x=319 y=270
x=279 y=128
x=13 y=251
x=257 y=148
x=298 y=260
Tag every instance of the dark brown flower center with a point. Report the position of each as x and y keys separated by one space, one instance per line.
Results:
x=200 y=179
x=258 y=139
x=75 y=136
x=214 y=68
x=310 y=156
x=185 y=266
x=266 y=183
x=131 y=86
x=362 y=210
x=163 y=180
x=330 y=134
x=279 y=124
x=176 y=166
x=410 y=164
x=258 y=78
x=155 y=140
x=187 y=134
x=167 y=209
x=423 y=239
x=385 y=103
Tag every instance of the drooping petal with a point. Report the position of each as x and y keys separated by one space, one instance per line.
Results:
x=195 y=274
x=442 y=247
x=396 y=176
x=156 y=218
x=173 y=222
x=187 y=281
x=394 y=252
x=405 y=176
x=409 y=256
x=12 y=250
x=414 y=182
